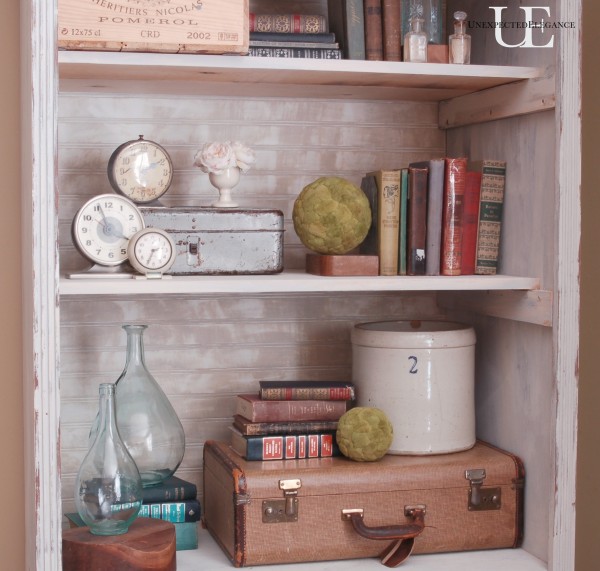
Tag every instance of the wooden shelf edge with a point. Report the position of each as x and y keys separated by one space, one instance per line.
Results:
x=288 y=282
x=533 y=306
x=206 y=74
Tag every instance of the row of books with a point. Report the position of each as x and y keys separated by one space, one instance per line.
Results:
x=437 y=217
x=174 y=500
x=290 y=419
x=292 y=36
x=355 y=29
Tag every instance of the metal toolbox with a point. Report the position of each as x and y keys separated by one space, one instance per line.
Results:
x=221 y=241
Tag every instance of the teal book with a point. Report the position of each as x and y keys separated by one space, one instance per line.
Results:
x=403 y=222
x=175 y=512
x=347 y=22
x=173 y=489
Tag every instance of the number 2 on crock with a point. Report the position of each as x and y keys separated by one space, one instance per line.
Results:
x=413 y=365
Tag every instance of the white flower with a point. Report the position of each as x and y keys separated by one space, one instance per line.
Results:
x=218 y=157
x=215 y=157
x=244 y=155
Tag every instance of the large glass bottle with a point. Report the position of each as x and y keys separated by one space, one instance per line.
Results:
x=108 y=487
x=147 y=421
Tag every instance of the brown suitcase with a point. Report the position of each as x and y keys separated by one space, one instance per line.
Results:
x=334 y=508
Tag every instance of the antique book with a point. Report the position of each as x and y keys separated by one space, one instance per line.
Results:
x=171 y=489
x=452 y=216
x=470 y=222
x=347 y=22
x=253 y=408
x=388 y=219
x=402 y=237
x=306 y=390
x=493 y=179
x=311 y=53
x=284 y=446
x=417 y=220
x=244 y=426
x=435 y=200
x=391 y=30
x=175 y=512
x=294 y=44
x=288 y=23
x=373 y=30
x=321 y=38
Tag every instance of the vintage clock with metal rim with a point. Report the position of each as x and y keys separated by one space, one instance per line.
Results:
x=101 y=230
x=140 y=170
x=151 y=252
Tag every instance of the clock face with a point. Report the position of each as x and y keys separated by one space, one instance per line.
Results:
x=140 y=170
x=102 y=228
x=151 y=251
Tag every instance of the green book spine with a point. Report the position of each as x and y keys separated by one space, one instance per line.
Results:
x=173 y=489
x=186 y=536
x=402 y=230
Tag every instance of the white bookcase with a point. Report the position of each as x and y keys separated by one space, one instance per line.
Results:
x=214 y=336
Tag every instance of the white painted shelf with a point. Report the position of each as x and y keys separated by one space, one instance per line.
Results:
x=122 y=72
x=288 y=282
x=210 y=557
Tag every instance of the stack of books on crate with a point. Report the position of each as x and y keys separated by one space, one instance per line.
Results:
x=292 y=36
x=441 y=216
x=290 y=419
x=174 y=500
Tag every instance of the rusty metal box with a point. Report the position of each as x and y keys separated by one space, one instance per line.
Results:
x=221 y=241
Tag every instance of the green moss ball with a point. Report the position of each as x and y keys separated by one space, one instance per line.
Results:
x=331 y=215
x=364 y=434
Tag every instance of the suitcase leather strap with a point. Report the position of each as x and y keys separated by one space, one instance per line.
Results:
x=403 y=536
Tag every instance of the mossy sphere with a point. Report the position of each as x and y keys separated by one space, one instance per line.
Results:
x=331 y=215
x=364 y=434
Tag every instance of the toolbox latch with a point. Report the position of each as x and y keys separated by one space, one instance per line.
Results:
x=480 y=498
x=286 y=510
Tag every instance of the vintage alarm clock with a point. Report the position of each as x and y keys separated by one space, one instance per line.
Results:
x=102 y=227
x=140 y=170
x=151 y=252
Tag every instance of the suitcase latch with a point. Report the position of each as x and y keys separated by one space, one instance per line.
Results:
x=480 y=498
x=285 y=510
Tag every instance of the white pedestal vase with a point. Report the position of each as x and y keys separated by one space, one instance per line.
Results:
x=224 y=182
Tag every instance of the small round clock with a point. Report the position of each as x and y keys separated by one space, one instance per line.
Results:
x=140 y=170
x=151 y=251
x=102 y=227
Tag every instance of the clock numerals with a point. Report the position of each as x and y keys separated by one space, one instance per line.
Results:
x=140 y=170
x=103 y=226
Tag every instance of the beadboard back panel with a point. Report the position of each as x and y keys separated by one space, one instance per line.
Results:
x=295 y=141
x=204 y=350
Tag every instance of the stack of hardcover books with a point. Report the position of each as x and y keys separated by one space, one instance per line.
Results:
x=290 y=419
x=174 y=500
x=292 y=36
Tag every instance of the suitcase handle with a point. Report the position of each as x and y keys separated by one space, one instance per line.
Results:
x=403 y=535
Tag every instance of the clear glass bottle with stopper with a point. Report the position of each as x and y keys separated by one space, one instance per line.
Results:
x=460 y=41
x=415 y=42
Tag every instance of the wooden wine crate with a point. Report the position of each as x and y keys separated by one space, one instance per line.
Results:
x=172 y=26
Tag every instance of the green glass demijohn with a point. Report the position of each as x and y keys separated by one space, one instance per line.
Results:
x=108 y=487
x=148 y=423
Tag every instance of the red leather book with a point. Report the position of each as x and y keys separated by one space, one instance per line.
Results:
x=251 y=406
x=452 y=216
x=470 y=222
x=373 y=30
